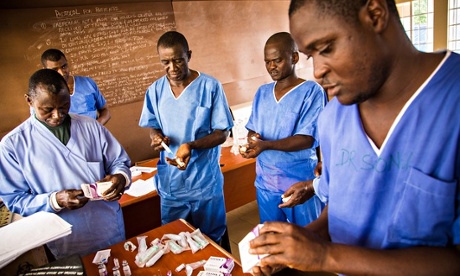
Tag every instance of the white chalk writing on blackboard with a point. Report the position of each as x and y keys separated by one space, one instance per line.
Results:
x=115 y=45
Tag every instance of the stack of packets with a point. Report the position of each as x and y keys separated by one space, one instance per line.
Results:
x=248 y=261
x=148 y=256
x=214 y=266
x=94 y=191
x=175 y=243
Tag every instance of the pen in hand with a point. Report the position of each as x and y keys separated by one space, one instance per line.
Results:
x=168 y=150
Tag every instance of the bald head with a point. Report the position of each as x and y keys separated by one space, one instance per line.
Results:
x=284 y=42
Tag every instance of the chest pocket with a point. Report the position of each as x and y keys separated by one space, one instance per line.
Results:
x=286 y=127
x=425 y=211
x=202 y=121
x=90 y=103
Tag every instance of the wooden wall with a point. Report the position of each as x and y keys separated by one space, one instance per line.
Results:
x=226 y=39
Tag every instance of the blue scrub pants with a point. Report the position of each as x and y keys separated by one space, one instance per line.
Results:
x=302 y=215
x=208 y=214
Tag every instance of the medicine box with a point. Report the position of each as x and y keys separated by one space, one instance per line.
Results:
x=209 y=273
x=219 y=264
x=94 y=191
x=249 y=260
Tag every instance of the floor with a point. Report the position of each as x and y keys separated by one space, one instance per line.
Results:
x=240 y=221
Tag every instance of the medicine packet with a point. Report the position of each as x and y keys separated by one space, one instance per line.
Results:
x=95 y=190
x=219 y=264
x=249 y=260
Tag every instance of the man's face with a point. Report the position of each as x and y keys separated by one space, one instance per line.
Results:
x=278 y=61
x=50 y=108
x=175 y=62
x=346 y=57
x=61 y=66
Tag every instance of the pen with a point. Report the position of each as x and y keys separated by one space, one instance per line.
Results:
x=181 y=164
x=163 y=144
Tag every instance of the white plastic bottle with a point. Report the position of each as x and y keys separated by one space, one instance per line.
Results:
x=126 y=268
x=116 y=271
x=102 y=270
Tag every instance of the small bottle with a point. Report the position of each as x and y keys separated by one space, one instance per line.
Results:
x=126 y=268
x=116 y=263
x=116 y=271
x=102 y=269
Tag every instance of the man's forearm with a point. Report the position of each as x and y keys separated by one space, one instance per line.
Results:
x=104 y=116
x=212 y=140
x=293 y=143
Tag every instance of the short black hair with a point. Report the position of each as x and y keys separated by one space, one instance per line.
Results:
x=171 y=39
x=51 y=80
x=51 y=55
x=347 y=9
x=286 y=39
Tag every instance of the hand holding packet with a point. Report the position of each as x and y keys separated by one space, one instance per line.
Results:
x=249 y=260
x=94 y=191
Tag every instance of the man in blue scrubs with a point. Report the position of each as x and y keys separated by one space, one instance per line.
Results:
x=283 y=121
x=44 y=161
x=188 y=111
x=85 y=96
x=390 y=140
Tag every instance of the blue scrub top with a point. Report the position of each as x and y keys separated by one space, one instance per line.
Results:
x=199 y=110
x=86 y=99
x=296 y=113
x=405 y=193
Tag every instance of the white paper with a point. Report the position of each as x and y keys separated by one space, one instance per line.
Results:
x=30 y=232
x=141 y=187
x=249 y=260
x=102 y=256
x=135 y=169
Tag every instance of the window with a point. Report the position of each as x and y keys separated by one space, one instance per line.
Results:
x=417 y=19
x=454 y=26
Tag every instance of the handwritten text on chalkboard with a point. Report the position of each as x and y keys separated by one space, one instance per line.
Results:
x=115 y=45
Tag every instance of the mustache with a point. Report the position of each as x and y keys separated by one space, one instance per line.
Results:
x=325 y=81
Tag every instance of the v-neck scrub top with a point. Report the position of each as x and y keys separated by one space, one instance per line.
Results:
x=34 y=164
x=405 y=193
x=296 y=113
x=199 y=110
x=86 y=98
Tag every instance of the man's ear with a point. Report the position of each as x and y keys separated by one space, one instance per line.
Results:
x=295 y=57
x=28 y=99
x=189 y=54
x=376 y=14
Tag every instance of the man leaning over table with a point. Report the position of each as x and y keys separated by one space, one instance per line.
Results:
x=44 y=161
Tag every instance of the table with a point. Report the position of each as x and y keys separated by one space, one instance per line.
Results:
x=143 y=213
x=239 y=176
x=168 y=261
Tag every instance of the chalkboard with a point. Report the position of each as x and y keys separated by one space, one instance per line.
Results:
x=113 y=44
